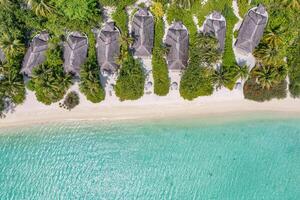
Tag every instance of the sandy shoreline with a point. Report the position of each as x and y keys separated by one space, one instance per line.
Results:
x=150 y=107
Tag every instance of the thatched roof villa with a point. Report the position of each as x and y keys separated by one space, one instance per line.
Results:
x=75 y=53
x=177 y=40
x=215 y=24
x=35 y=54
x=143 y=33
x=252 y=29
x=108 y=48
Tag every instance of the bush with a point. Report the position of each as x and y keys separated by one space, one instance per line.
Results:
x=71 y=100
x=254 y=91
x=90 y=84
x=196 y=81
x=159 y=64
x=231 y=20
x=131 y=80
x=294 y=65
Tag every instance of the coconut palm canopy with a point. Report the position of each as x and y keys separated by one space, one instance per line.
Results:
x=215 y=24
x=75 y=52
x=177 y=41
x=108 y=48
x=35 y=55
x=143 y=33
x=252 y=29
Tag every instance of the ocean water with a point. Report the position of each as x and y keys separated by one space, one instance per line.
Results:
x=252 y=159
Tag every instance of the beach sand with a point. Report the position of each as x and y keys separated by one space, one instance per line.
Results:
x=223 y=103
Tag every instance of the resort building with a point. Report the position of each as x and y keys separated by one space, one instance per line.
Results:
x=108 y=48
x=75 y=52
x=35 y=55
x=108 y=51
x=252 y=29
x=177 y=42
x=142 y=31
x=215 y=24
x=2 y=56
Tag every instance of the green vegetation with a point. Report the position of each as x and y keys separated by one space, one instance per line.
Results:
x=294 y=66
x=254 y=91
x=49 y=81
x=231 y=20
x=90 y=84
x=279 y=41
x=130 y=84
x=131 y=79
x=159 y=64
x=71 y=101
x=12 y=40
x=197 y=80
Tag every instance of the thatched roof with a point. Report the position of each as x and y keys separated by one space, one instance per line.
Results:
x=177 y=41
x=2 y=56
x=143 y=33
x=75 y=52
x=108 y=48
x=35 y=54
x=215 y=24
x=252 y=29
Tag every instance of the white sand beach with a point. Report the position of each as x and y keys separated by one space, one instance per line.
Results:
x=222 y=102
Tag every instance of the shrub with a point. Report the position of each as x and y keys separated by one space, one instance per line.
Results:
x=90 y=84
x=159 y=64
x=254 y=91
x=196 y=81
x=294 y=65
x=131 y=80
x=71 y=100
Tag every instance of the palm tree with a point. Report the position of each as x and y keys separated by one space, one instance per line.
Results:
x=293 y=4
x=40 y=7
x=4 y=3
x=184 y=3
x=223 y=77
x=266 y=76
x=11 y=85
x=242 y=71
x=273 y=36
x=269 y=55
x=10 y=44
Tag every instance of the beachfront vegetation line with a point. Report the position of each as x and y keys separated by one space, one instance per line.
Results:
x=90 y=84
x=22 y=20
x=159 y=64
x=131 y=79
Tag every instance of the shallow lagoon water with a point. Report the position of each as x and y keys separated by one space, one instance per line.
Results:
x=179 y=159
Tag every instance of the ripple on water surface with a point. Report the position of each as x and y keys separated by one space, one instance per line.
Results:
x=254 y=159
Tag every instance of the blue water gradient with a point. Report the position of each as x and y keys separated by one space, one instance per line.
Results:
x=235 y=160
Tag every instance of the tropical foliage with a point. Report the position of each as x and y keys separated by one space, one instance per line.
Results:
x=159 y=65
x=71 y=100
x=197 y=80
x=131 y=80
x=90 y=84
x=130 y=84
x=254 y=91
x=49 y=81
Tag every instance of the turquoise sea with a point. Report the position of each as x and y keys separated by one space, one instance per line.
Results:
x=241 y=159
